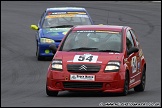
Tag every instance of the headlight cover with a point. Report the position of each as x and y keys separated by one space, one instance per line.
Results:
x=112 y=66
x=46 y=40
x=56 y=65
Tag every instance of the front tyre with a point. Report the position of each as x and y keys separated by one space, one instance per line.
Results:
x=51 y=93
x=126 y=85
x=141 y=86
x=37 y=54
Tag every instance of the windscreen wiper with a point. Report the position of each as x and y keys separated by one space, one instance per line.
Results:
x=61 y=26
x=109 y=51
x=82 y=48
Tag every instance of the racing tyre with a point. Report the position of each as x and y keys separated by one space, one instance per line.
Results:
x=141 y=86
x=126 y=85
x=38 y=56
x=51 y=93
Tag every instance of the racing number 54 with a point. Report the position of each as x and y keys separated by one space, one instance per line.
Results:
x=82 y=58
x=85 y=58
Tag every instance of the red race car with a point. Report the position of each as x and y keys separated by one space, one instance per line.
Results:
x=104 y=58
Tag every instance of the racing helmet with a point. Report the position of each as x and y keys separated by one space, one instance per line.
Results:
x=52 y=21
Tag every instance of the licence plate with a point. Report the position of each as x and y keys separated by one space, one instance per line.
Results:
x=83 y=77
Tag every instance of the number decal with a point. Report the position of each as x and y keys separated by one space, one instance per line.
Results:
x=134 y=64
x=85 y=58
x=89 y=58
x=81 y=58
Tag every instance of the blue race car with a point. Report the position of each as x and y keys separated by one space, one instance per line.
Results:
x=54 y=24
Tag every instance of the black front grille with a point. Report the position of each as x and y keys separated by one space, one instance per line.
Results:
x=86 y=85
x=83 y=68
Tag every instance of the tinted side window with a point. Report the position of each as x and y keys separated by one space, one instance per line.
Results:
x=134 y=36
x=129 y=40
x=41 y=19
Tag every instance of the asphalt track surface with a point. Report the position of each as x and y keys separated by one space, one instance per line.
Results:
x=23 y=78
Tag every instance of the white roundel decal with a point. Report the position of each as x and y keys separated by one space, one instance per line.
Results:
x=134 y=64
x=85 y=58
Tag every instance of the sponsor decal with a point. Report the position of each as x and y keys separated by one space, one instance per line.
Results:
x=85 y=31
x=138 y=65
x=134 y=64
x=76 y=12
x=60 y=15
x=107 y=31
x=140 y=53
x=132 y=80
x=83 y=77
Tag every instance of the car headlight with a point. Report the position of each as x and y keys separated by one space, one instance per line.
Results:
x=56 y=65
x=112 y=66
x=46 y=40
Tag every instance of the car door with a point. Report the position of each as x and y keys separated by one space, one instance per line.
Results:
x=139 y=61
x=133 y=59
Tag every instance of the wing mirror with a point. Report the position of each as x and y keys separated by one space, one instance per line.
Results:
x=132 y=50
x=34 y=27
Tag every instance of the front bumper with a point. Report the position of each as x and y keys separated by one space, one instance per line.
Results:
x=44 y=50
x=105 y=82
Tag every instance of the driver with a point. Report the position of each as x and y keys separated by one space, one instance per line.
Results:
x=82 y=40
x=52 y=21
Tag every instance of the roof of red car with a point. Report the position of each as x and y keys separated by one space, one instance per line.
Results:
x=99 y=27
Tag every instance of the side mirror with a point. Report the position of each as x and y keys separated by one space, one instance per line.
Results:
x=34 y=27
x=132 y=50
x=53 y=48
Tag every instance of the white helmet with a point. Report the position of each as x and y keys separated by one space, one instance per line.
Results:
x=52 y=21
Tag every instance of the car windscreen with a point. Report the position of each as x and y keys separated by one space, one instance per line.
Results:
x=95 y=41
x=55 y=19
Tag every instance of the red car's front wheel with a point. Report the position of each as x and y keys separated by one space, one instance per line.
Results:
x=141 y=86
x=126 y=85
x=51 y=93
